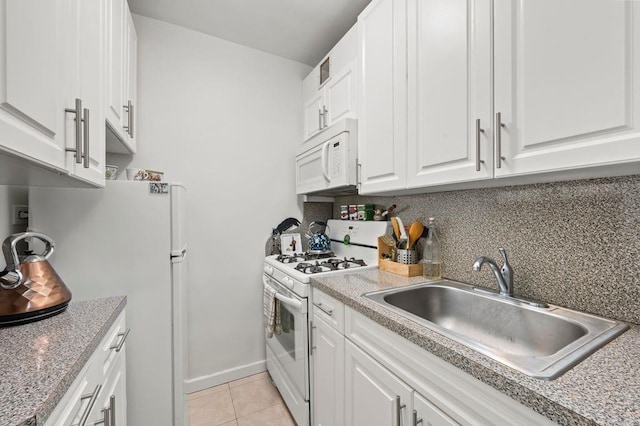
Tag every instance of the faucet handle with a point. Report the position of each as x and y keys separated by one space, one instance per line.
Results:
x=506 y=270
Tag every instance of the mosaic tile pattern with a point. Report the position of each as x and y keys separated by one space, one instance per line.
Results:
x=601 y=390
x=39 y=361
x=575 y=244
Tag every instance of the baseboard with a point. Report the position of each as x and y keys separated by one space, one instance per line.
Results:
x=215 y=379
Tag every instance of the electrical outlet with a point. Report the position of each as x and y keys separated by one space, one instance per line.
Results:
x=20 y=215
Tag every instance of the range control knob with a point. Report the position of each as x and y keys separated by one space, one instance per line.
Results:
x=288 y=282
x=268 y=270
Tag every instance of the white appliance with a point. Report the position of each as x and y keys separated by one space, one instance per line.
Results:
x=288 y=353
x=129 y=239
x=327 y=162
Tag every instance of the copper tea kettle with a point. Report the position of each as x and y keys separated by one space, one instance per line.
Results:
x=30 y=289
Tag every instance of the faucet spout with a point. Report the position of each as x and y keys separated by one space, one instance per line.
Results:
x=504 y=276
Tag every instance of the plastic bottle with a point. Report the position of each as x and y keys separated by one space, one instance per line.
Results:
x=431 y=256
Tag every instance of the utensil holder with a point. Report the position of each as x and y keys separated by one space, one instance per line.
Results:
x=407 y=257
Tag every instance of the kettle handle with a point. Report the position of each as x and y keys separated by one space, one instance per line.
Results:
x=11 y=277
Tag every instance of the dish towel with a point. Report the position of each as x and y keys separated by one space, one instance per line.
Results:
x=271 y=306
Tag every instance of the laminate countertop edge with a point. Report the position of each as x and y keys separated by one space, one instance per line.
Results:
x=600 y=390
x=41 y=360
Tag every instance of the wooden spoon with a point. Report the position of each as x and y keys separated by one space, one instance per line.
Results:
x=415 y=232
x=396 y=228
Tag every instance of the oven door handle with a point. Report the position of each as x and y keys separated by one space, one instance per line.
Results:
x=296 y=304
x=299 y=306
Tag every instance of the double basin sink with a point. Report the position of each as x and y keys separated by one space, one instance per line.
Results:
x=541 y=341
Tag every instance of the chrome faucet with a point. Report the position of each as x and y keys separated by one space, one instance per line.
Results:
x=504 y=276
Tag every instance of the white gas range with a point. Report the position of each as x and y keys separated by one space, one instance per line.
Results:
x=354 y=248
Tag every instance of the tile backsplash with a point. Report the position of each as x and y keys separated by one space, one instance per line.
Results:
x=574 y=244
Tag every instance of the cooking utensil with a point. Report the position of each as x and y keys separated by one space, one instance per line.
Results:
x=388 y=240
x=403 y=242
x=415 y=232
x=30 y=289
x=396 y=228
x=319 y=241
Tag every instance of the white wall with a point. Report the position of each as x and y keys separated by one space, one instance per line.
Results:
x=10 y=196
x=225 y=120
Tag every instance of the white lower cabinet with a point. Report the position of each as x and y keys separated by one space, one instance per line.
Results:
x=98 y=395
x=374 y=396
x=328 y=368
x=383 y=379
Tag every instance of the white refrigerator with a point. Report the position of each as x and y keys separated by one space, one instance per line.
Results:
x=129 y=239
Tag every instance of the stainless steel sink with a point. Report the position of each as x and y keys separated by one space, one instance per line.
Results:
x=542 y=342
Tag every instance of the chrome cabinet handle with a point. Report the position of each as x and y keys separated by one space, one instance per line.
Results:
x=85 y=148
x=131 y=119
x=319 y=119
x=416 y=420
x=129 y=127
x=106 y=418
x=92 y=397
x=323 y=309
x=78 y=113
x=498 y=139
x=324 y=116
x=478 y=131
x=112 y=408
x=118 y=346
x=313 y=327
x=399 y=408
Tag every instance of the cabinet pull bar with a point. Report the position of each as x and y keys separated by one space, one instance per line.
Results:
x=312 y=327
x=112 y=408
x=399 y=408
x=319 y=119
x=85 y=149
x=118 y=346
x=478 y=131
x=131 y=119
x=498 y=139
x=324 y=116
x=92 y=397
x=77 y=112
x=106 y=418
x=323 y=309
x=416 y=420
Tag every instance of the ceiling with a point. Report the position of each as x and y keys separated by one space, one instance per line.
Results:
x=301 y=30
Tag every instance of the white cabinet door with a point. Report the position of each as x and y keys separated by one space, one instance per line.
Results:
x=328 y=374
x=382 y=96
x=449 y=89
x=115 y=113
x=428 y=413
x=374 y=396
x=111 y=407
x=31 y=105
x=567 y=84
x=340 y=95
x=313 y=115
x=131 y=82
x=84 y=44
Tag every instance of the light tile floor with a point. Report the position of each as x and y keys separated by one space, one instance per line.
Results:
x=252 y=401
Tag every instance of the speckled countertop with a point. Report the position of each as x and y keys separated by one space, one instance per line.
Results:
x=604 y=389
x=39 y=361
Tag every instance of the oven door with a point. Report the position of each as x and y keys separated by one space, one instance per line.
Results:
x=290 y=348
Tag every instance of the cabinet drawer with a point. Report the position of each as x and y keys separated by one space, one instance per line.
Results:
x=329 y=309
x=112 y=345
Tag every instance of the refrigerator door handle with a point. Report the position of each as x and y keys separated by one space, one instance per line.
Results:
x=178 y=253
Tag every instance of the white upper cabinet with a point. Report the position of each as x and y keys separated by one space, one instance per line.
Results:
x=51 y=109
x=329 y=91
x=449 y=92
x=31 y=100
x=382 y=96
x=567 y=84
x=121 y=80
x=559 y=80
x=85 y=144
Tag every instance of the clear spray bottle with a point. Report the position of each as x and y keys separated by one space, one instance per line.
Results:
x=432 y=257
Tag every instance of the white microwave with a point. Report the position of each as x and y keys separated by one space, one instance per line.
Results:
x=326 y=163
